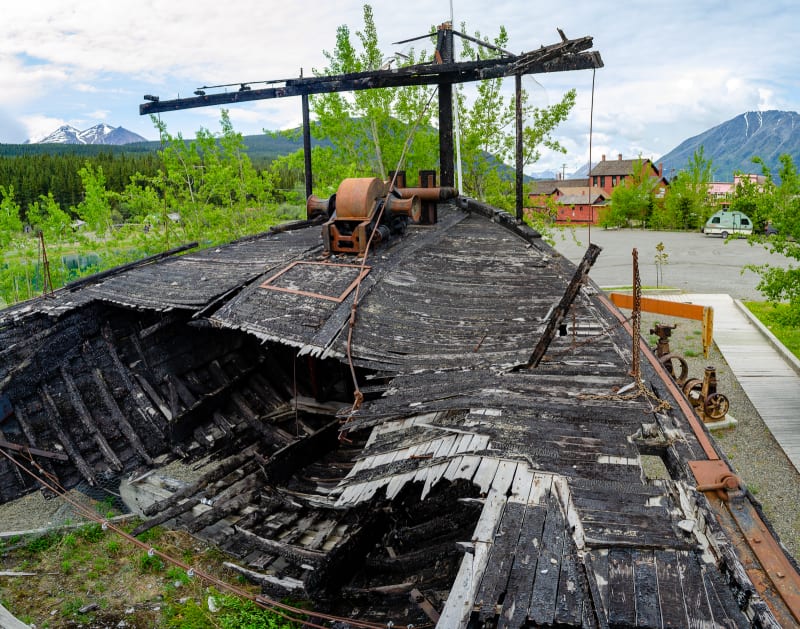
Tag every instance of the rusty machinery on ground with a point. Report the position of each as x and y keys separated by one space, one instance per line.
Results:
x=365 y=206
x=703 y=395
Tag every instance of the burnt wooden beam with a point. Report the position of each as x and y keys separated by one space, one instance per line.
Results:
x=58 y=426
x=166 y=515
x=118 y=417
x=30 y=435
x=556 y=58
x=297 y=454
x=137 y=395
x=212 y=476
x=561 y=310
x=88 y=423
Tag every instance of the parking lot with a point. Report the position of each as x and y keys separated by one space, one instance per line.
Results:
x=695 y=263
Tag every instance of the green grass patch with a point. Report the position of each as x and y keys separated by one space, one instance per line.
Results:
x=773 y=316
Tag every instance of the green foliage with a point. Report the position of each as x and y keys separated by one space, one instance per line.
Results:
x=634 y=200
x=686 y=205
x=233 y=613
x=370 y=130
x=148 y=563
x=367 y=129
x=661 y=259
x=95 y=207
x=92 y=533
x=780 y=204
x=42 y=543
x=10 y=223
x=488 y=129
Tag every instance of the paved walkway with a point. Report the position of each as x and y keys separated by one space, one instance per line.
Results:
x=767 y=371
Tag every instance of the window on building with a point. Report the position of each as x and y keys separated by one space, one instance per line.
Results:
x=594 y=180
x=602 y=181
x=613 y=180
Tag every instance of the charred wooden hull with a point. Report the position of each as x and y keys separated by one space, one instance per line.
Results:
x=460 y=489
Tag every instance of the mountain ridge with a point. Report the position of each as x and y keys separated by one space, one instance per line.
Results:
x=98 y=134
x=732 y=144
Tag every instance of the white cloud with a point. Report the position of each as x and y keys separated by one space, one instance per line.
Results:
x=38 y=126
x=669 y=73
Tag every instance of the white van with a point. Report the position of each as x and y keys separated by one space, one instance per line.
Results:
x=725 y=223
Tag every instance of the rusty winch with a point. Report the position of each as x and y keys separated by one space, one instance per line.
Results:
x=368 y=207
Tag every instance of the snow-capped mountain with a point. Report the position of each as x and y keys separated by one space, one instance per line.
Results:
x=98 y=134
x=732 y=144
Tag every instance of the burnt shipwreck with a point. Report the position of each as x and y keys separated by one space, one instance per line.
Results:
x=421 y=415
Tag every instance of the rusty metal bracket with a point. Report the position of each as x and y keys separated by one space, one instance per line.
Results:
x=714 y=476
x=363 y=272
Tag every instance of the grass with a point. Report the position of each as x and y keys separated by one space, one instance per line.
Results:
x=93 y=567
x=772 y=316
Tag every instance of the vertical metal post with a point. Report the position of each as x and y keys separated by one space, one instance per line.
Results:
x=307 y=145
x=518 y=108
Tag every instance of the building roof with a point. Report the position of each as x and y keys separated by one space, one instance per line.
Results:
x=619 y=166
x=456 y=471
x=548 y=186
x=581 y=196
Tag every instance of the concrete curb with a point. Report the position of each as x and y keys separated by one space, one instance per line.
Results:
x=790 y=358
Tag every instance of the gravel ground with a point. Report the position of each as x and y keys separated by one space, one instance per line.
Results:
x=35 y=511
x=750 y=447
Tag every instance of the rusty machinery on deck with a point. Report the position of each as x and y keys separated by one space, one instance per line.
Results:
x=703 y=395
x=365 y=206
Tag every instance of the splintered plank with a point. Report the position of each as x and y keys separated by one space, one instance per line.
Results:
x=694 y=591
x=523 y=572
x=495 y=579
x=596 y=563
x=673 y=609
x=462 y=593
x=485 y=474
x=543 y=597
x=621 y=597
x=570 y=598
x=648 y=613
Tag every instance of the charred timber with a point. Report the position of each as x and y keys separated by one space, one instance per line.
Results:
x=563 y=58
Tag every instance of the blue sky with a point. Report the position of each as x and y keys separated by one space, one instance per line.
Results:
x=672 y=70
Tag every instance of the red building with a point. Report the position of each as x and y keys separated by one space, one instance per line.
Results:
x=582 y=200
x=608 y=174
x=567 y=200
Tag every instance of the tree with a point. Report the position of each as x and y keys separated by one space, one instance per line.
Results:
x=210 y=184
x=368 y=130
x=46 y=215
x=488 y=128
x=10 y=223
x=634 y=200
x=780 y=204
x=686 y=205
x=95 y=208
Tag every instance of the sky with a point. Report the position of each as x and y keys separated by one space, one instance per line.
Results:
x=671 y=70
